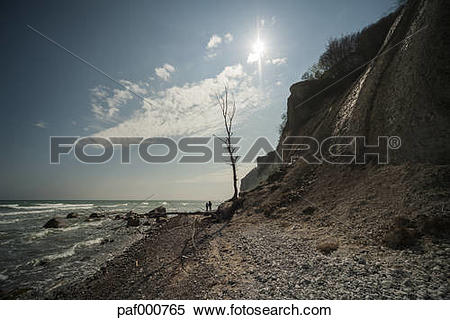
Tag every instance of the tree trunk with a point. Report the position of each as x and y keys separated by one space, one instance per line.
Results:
x=233 y=166
x=234 y=181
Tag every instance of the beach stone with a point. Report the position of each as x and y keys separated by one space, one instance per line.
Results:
x=161 y=219
x=105 y=241
x=72 y=215
x=160 y=209
x=95 y=215
x=400 y=238
x=226 y=209
x=157 y=212
x=309 y=210
x=133 y=222
x=55 y=223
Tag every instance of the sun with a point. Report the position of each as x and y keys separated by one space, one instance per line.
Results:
x=258 y=48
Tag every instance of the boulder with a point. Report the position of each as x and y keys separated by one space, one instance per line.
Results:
x=400 y=237
x=95 y=215
x=157 y=212
x=133 y=221
x=327 y=247
x=309 y=210
x=226 y=209
x=105 y=241
x=72 y=215
x=55 y=223
x=160 y=209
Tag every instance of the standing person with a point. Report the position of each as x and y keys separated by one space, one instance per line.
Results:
x=210 y=206
x=207 y=205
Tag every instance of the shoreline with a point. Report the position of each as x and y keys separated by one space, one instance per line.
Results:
x=278 y=246
x=255 y=257
x=124 y=276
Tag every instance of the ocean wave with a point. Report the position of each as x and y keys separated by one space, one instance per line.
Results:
x=9 y=206
x=74 y=227
x=41 y=233
x=14 y=213
x=114 y=205
x=3 y=243
x=45 y=232
x=59 y=206
x=11 y=221
x=95 y=222
x=67 y=253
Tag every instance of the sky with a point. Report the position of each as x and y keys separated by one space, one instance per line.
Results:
x=175 y=54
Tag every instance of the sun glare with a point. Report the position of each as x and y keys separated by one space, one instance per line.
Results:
x=258 y=48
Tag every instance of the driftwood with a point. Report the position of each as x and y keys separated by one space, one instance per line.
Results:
x=161 y=215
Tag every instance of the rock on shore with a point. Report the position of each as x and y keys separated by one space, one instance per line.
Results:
x=55 y=223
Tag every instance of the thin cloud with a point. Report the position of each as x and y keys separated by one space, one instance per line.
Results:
x=273 y=20
x=214 y=42
x=40 y=124
x=277 y=61
x=106 y=103
x=191 y=109
x=228 y=37
x=253 y=58
x=165 y=71
x=211 y=55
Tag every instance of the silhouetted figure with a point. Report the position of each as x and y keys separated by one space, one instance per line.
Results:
x=207 y=206
x=210 y=205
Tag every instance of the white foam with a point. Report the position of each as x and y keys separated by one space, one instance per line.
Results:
x=6 y=242
x=3 y=277
x=14 y=213
x=69 y=252
x=10 y=221
x=45 y=232
x=41 y=234
x=60 y=206
x=95 y=223
x=114 y=205
x=74 y=227
x=11 y=206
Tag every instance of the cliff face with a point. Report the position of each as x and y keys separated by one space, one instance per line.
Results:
x=404 y=92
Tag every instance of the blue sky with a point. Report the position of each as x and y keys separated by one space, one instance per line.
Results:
x=176 y=54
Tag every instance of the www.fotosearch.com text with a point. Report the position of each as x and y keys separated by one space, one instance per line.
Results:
x=331 y=150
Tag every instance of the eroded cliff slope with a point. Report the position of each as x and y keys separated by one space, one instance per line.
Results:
x=405 y=92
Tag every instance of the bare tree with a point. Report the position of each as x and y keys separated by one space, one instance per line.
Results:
x=228 y=109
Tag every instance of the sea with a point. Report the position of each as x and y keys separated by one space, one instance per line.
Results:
x=38 y=260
